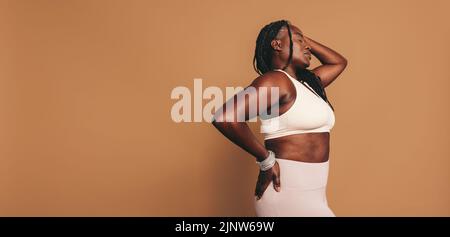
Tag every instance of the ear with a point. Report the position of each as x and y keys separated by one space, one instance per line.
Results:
x=276 y=44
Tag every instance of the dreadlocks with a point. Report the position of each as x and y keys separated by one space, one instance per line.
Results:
x=262 y=61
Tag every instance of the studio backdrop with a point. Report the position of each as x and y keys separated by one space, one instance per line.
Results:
x=86 y=105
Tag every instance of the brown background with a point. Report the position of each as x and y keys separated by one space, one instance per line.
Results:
x=85 y=126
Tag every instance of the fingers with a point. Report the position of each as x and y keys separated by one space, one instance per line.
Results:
x=258 y=193
x=276 y=182
x=258 y=189
x=276 y=178
x=264 y=179
x=261 y=186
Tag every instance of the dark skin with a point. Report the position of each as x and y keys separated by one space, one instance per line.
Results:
x=307 y=147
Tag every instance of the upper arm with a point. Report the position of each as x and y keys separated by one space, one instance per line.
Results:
x=259 y=97
x=329 y=72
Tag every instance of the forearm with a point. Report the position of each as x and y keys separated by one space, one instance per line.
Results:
x=240 y=134
x=325 y=54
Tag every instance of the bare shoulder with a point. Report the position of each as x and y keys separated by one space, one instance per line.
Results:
x=270 y=79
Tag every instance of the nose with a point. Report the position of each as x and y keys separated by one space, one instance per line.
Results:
x=308 y=47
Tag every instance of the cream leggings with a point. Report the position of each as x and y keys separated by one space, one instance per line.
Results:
x=303 y=191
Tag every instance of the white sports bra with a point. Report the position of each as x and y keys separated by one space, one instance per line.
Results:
x=308 y=114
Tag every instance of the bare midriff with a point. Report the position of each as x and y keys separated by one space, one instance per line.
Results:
x=305 y=147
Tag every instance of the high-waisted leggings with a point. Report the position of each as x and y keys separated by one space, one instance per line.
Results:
x=302 y=193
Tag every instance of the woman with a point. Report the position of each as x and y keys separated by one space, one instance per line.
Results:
x=294 y=159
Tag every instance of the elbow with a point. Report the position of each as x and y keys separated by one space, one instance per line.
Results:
x=220 y=118
x=344 y=62
x=222 y=123
x=218 y=121
x=214 y=123
x=216 y=118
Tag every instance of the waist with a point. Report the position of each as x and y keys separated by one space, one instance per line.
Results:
x=303 y=176
x=310 y=147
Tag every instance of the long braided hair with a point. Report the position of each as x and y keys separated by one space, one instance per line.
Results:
x=262 y=61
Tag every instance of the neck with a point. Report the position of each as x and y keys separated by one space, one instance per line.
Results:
x=290 y=70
